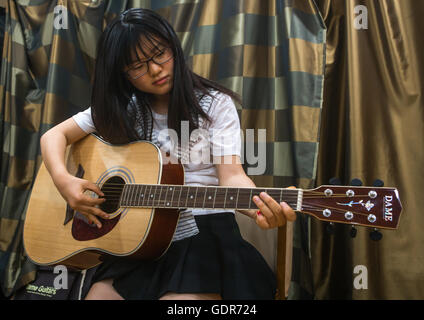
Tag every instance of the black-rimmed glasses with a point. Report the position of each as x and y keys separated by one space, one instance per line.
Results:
x=141 y=68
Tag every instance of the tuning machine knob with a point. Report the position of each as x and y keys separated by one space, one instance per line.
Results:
x=335 y=181
x=376 y=235
x=378 y=183
x=356 y=182
x=330 y=228
x=353 y=232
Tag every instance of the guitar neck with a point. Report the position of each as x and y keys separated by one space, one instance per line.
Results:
x=216 y=197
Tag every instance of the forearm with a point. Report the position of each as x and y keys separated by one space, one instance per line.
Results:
x=53 y=148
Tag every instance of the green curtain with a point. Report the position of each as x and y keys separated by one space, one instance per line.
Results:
x=373 y=128
x=270 y=52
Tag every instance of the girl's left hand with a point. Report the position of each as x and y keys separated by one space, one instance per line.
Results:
x=272 y=214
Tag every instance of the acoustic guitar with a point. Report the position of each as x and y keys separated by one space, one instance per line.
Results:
x=144 y=195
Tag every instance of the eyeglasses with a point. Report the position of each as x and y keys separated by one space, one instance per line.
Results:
x=141 y=68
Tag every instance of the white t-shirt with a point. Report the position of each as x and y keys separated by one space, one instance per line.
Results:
x=219 y=137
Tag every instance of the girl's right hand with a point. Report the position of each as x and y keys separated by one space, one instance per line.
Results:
x=72 y=190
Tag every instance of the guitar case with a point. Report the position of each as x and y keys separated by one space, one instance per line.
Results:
x=74 y=287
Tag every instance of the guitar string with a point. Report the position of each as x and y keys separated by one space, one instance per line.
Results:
x=304 y=208
x=287 y=198
x=120 y=191
x=177 y=185
x=293 y=191
x=306 y=192
x=117 y=195
x=316 y=207
x=157 y=202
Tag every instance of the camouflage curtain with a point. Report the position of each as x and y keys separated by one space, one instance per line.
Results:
x=270 y=52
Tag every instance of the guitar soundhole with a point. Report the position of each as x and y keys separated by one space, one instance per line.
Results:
x=112 y=190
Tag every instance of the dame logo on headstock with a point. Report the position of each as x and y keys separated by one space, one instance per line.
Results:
x=388 y=214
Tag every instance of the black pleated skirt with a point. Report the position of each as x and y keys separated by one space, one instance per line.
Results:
x=216 y=260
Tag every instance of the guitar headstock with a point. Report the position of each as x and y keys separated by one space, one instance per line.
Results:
x=367 y=206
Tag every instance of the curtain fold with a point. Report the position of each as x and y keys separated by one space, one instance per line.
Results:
x=372 y=128
x=270 y=52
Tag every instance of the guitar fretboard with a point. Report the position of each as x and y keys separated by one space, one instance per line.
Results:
x=177 y=196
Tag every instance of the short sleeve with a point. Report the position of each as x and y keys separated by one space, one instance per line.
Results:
x=85 y=121
x=224 y=129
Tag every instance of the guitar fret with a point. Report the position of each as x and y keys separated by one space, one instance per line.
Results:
x=159 y=199
x=121 y=196
x=190 y=195
x=231 y=198
x=156 y=198
x=209 y=194
x=149 y=196
x=250 y=197
x=141 y=195
x=139 y=191
x=195 y=197
x=242 y=198
x=204 y=198
x=121 y=200
x=165 y=197
x=188 y=189
x=173 y=191
x=225 y=199
x=136 y=195
x=133 y=195
x=144 y=195
x=220 y=197
x=134 y=198
x=183 y=197
x=127 y=196
x=179 y=198
x=274 y=193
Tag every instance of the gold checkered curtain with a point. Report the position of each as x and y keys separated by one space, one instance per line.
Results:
x=271 y=52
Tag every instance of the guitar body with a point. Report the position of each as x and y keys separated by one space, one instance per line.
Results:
x=144 y=192
x=54 y=235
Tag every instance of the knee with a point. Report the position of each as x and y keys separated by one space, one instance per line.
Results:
x=190 y=296
x=103 y=290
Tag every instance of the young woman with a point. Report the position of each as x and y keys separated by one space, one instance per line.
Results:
x=141 y=86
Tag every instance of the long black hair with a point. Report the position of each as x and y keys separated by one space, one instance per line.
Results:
x=115 y=113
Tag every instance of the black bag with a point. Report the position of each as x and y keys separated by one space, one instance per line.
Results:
x=63 y=285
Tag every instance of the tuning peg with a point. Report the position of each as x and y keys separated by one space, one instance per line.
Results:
x=353 y=232
x=376 y=235
x=356 y=182
x=330 y=228
x=378 y=183
x=335 y=181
